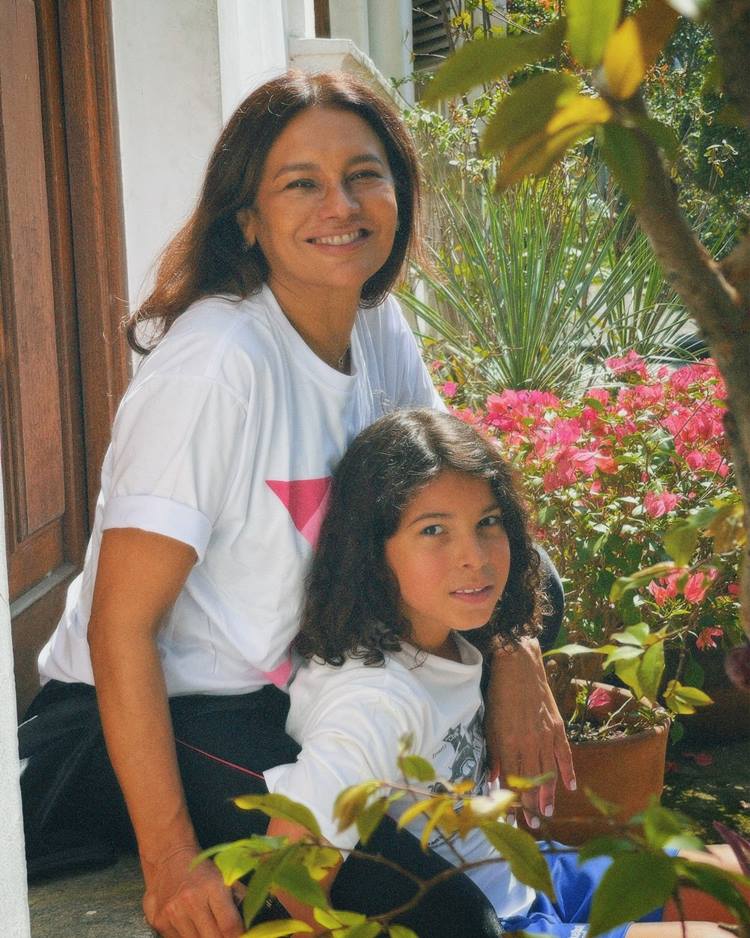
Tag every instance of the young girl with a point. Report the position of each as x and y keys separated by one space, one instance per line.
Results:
x=425 y=541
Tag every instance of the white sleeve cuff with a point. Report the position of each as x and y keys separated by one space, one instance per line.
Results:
x=160 y=516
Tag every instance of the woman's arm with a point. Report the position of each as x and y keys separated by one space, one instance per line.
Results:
x=525 y=733
x=139 y=577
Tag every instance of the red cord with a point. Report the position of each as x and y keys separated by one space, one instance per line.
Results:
x=230 y=765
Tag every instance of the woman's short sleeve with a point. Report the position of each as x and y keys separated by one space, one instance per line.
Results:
x=176 y=447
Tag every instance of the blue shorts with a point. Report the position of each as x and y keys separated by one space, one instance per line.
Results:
x=574 y=887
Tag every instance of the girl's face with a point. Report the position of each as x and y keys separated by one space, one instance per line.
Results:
x=325 y=213
x=450 y=556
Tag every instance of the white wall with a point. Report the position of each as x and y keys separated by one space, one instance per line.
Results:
x=168 y=90
x=14 y=910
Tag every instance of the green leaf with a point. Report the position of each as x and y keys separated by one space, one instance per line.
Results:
x=401 y=931
x=351 y=802
x=523 y=855
x=295 y=879
x=624 y=154
x=234 y=862
x=635 y=45
x=527 y=109
x=632 y=635
x=628 y=672
x=289 y=926
x=680 y=541
x=661 y=826
x=590 y=24
x=604 y=846
x=485 y=60
x=572 y=650
x=623 y=653
x=651 y=671
x=604 y=807
x=417 y=768
x=682 y=699
x=634 y=885
x=366 y=930
x=369 y=819
x=641 y=578
x=260 y=883
x=280 y=806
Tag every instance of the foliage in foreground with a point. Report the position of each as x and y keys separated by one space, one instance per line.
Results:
x=642 y=876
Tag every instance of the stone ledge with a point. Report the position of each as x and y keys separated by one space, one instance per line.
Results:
x=102 y=904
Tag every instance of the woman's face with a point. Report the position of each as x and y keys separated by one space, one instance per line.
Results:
x=325 y=214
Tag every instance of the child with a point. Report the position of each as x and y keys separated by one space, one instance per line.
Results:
x=425 y=541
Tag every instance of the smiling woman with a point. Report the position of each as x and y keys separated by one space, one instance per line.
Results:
x=272 y=341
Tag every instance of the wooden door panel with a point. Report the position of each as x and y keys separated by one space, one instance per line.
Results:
x=33 y=457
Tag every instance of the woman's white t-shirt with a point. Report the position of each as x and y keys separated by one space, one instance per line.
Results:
x=226 y=440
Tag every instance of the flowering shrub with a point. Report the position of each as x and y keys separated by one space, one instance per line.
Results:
x=610 y=475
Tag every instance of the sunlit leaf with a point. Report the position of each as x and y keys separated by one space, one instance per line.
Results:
x=484 y=60
x=624 y=154
x=527 y=783
x=234 y=862
x=628 y=672
x=369 y=819
x=295 y=879
x=335 y=918
x=633 y=886
x=662 y=826
x=632 y=635
x=527 y=109
x=623 y=653
x=590 y=24
x=523 y=855
x=417 y=768
x=351 y=801
x=423 y=806
x=401 y=931
x=366 y=930
x=680 y=541
x=288 y=926
x=260 y=883
x=641 y=578
x=651 y=671
x=441 y=810
x=604 y=846
x=682 y=699
x=573 y=649
x=279 y=806
x=635 y=45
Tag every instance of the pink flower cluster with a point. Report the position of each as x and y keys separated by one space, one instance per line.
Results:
x=693 y=586
x=570 y=442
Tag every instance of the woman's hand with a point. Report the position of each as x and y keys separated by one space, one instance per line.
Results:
x=524 y=729
x=185 y=902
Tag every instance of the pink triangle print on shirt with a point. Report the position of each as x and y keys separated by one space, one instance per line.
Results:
x=306 y=501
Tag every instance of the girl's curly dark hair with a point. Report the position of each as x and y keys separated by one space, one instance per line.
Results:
x=352 y=600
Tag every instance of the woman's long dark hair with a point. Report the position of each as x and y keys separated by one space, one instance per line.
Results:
x=352 y=603
x=209 y=255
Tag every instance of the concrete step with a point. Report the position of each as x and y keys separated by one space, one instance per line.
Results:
x=102 y=904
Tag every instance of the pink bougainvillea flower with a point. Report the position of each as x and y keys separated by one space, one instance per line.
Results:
x=666 y=588
x=630 y=364
x=467 y=415
x=698 y=583
x=436 y=365
x=657 y=504
x=733 y=589
x=448 y=389
x=707 y=637
x=601 y=698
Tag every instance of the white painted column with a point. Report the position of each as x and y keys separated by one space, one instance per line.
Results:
x=391 y=41
x=252 y=47
x=169 y=116
x=349 y=20
x=14 y=905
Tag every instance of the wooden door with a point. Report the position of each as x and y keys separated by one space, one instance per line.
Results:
x=61 y=293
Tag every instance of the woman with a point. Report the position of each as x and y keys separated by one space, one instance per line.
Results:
x=274 y=342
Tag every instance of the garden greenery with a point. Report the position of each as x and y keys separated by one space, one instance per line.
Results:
x=642 y=876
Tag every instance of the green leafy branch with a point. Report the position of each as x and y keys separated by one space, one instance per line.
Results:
x=642 y=876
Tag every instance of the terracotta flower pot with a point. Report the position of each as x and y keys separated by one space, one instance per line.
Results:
x=625 y=770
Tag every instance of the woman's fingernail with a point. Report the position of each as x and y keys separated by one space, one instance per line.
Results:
x=549 y=810
x=534 y=823
x=573 y=785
